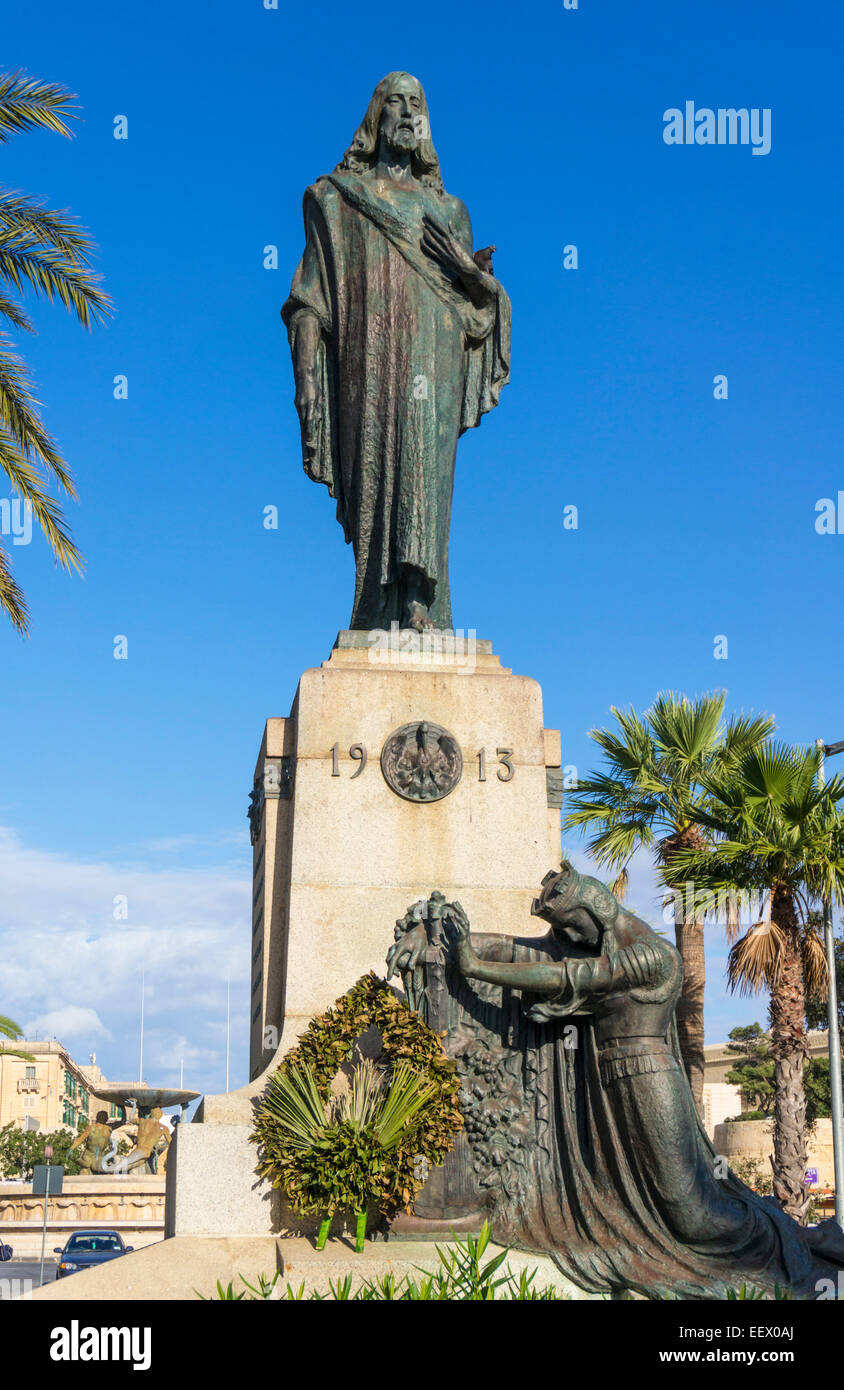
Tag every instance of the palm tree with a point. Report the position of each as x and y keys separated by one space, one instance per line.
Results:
x=774 y=831
x=8 y=1029
x=47 y=252
x=648 y=798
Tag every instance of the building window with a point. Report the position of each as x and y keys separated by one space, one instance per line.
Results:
x=30 y=1073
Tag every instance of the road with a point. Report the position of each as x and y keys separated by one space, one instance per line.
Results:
x=14 y=1271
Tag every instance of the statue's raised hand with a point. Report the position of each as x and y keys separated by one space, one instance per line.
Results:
x=442 y=245
x=411 y=942
x=457 y=926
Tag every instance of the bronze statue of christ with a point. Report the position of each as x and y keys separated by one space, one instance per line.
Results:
x=399 y=335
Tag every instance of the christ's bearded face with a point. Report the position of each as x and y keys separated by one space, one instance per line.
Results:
x=403 y=120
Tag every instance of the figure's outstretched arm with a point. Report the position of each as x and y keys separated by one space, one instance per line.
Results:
x=539 y=977
x=308 y=317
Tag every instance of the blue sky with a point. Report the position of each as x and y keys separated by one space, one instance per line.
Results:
x=696 y=515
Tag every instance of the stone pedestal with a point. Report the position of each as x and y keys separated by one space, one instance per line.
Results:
x=339 y=854
x=342 y=848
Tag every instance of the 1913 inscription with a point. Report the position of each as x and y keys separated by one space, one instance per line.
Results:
x=423 y=762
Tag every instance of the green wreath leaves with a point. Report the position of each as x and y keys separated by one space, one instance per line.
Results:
x=348 y=1168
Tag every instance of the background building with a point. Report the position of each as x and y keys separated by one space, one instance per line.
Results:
x=53 y=1090
x=721 y=1100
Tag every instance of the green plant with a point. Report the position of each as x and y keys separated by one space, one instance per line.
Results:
x=775 y=830
x=462 y=1275
x=647 y=798
x=336 y=1148
x=8 y=1028
x=367 y=1149
x=49 y=253
x=750 y=1294
x=753 y=1070
x=227 y=1295
x=21 y=1150
x=753 y=1173
x=818 y=1091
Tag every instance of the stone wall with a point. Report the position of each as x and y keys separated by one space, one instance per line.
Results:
x=751 y=1139
x=134 y=1207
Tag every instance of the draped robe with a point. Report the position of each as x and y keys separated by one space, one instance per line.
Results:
x=406 y=363
x=613 y=1176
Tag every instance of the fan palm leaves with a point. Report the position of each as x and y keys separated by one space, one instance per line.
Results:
x=386 y=1107
x=775 y=830
x=337 y=1147
x=47 y=253
x=647 y=797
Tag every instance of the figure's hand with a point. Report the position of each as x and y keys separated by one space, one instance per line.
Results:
x=409 y=949
x=442 y=245
x=307 y=399
x=457 y=926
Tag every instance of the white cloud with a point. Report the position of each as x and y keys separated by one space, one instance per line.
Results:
x=75 y=935
x=67 y=1023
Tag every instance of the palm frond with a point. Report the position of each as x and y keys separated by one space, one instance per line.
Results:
x=733 y=922
x=744 y=733
x=755 y=960
x=53 y=275
x=45 y=509
x=11 y=310
x=631 y=752
x=687 y=731
x=616 y=844
x=8 y=1027
x=20 y=422
x=408 y=1093
x=815 y=968
x=361 y=1102
x=21 y=215
x=12 y=599
x=292 y=1098
x=27 y=104
x=770 y=773
x=620 y=884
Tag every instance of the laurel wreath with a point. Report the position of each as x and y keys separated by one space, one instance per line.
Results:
x=332 y=1176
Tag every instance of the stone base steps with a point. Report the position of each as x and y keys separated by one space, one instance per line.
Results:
x=180 y=1267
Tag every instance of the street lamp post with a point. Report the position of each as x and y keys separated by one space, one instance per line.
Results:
x=835 y=1088
x=48 y=1154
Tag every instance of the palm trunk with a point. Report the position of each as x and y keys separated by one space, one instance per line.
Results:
x=689 y=937
x=688 y=934
x=789 y=1050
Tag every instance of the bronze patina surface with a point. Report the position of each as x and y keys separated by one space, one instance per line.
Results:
x=400 y=341
x=422 y=762
x=582 y=1138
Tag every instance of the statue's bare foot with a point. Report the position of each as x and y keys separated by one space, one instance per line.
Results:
x=419 y=618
